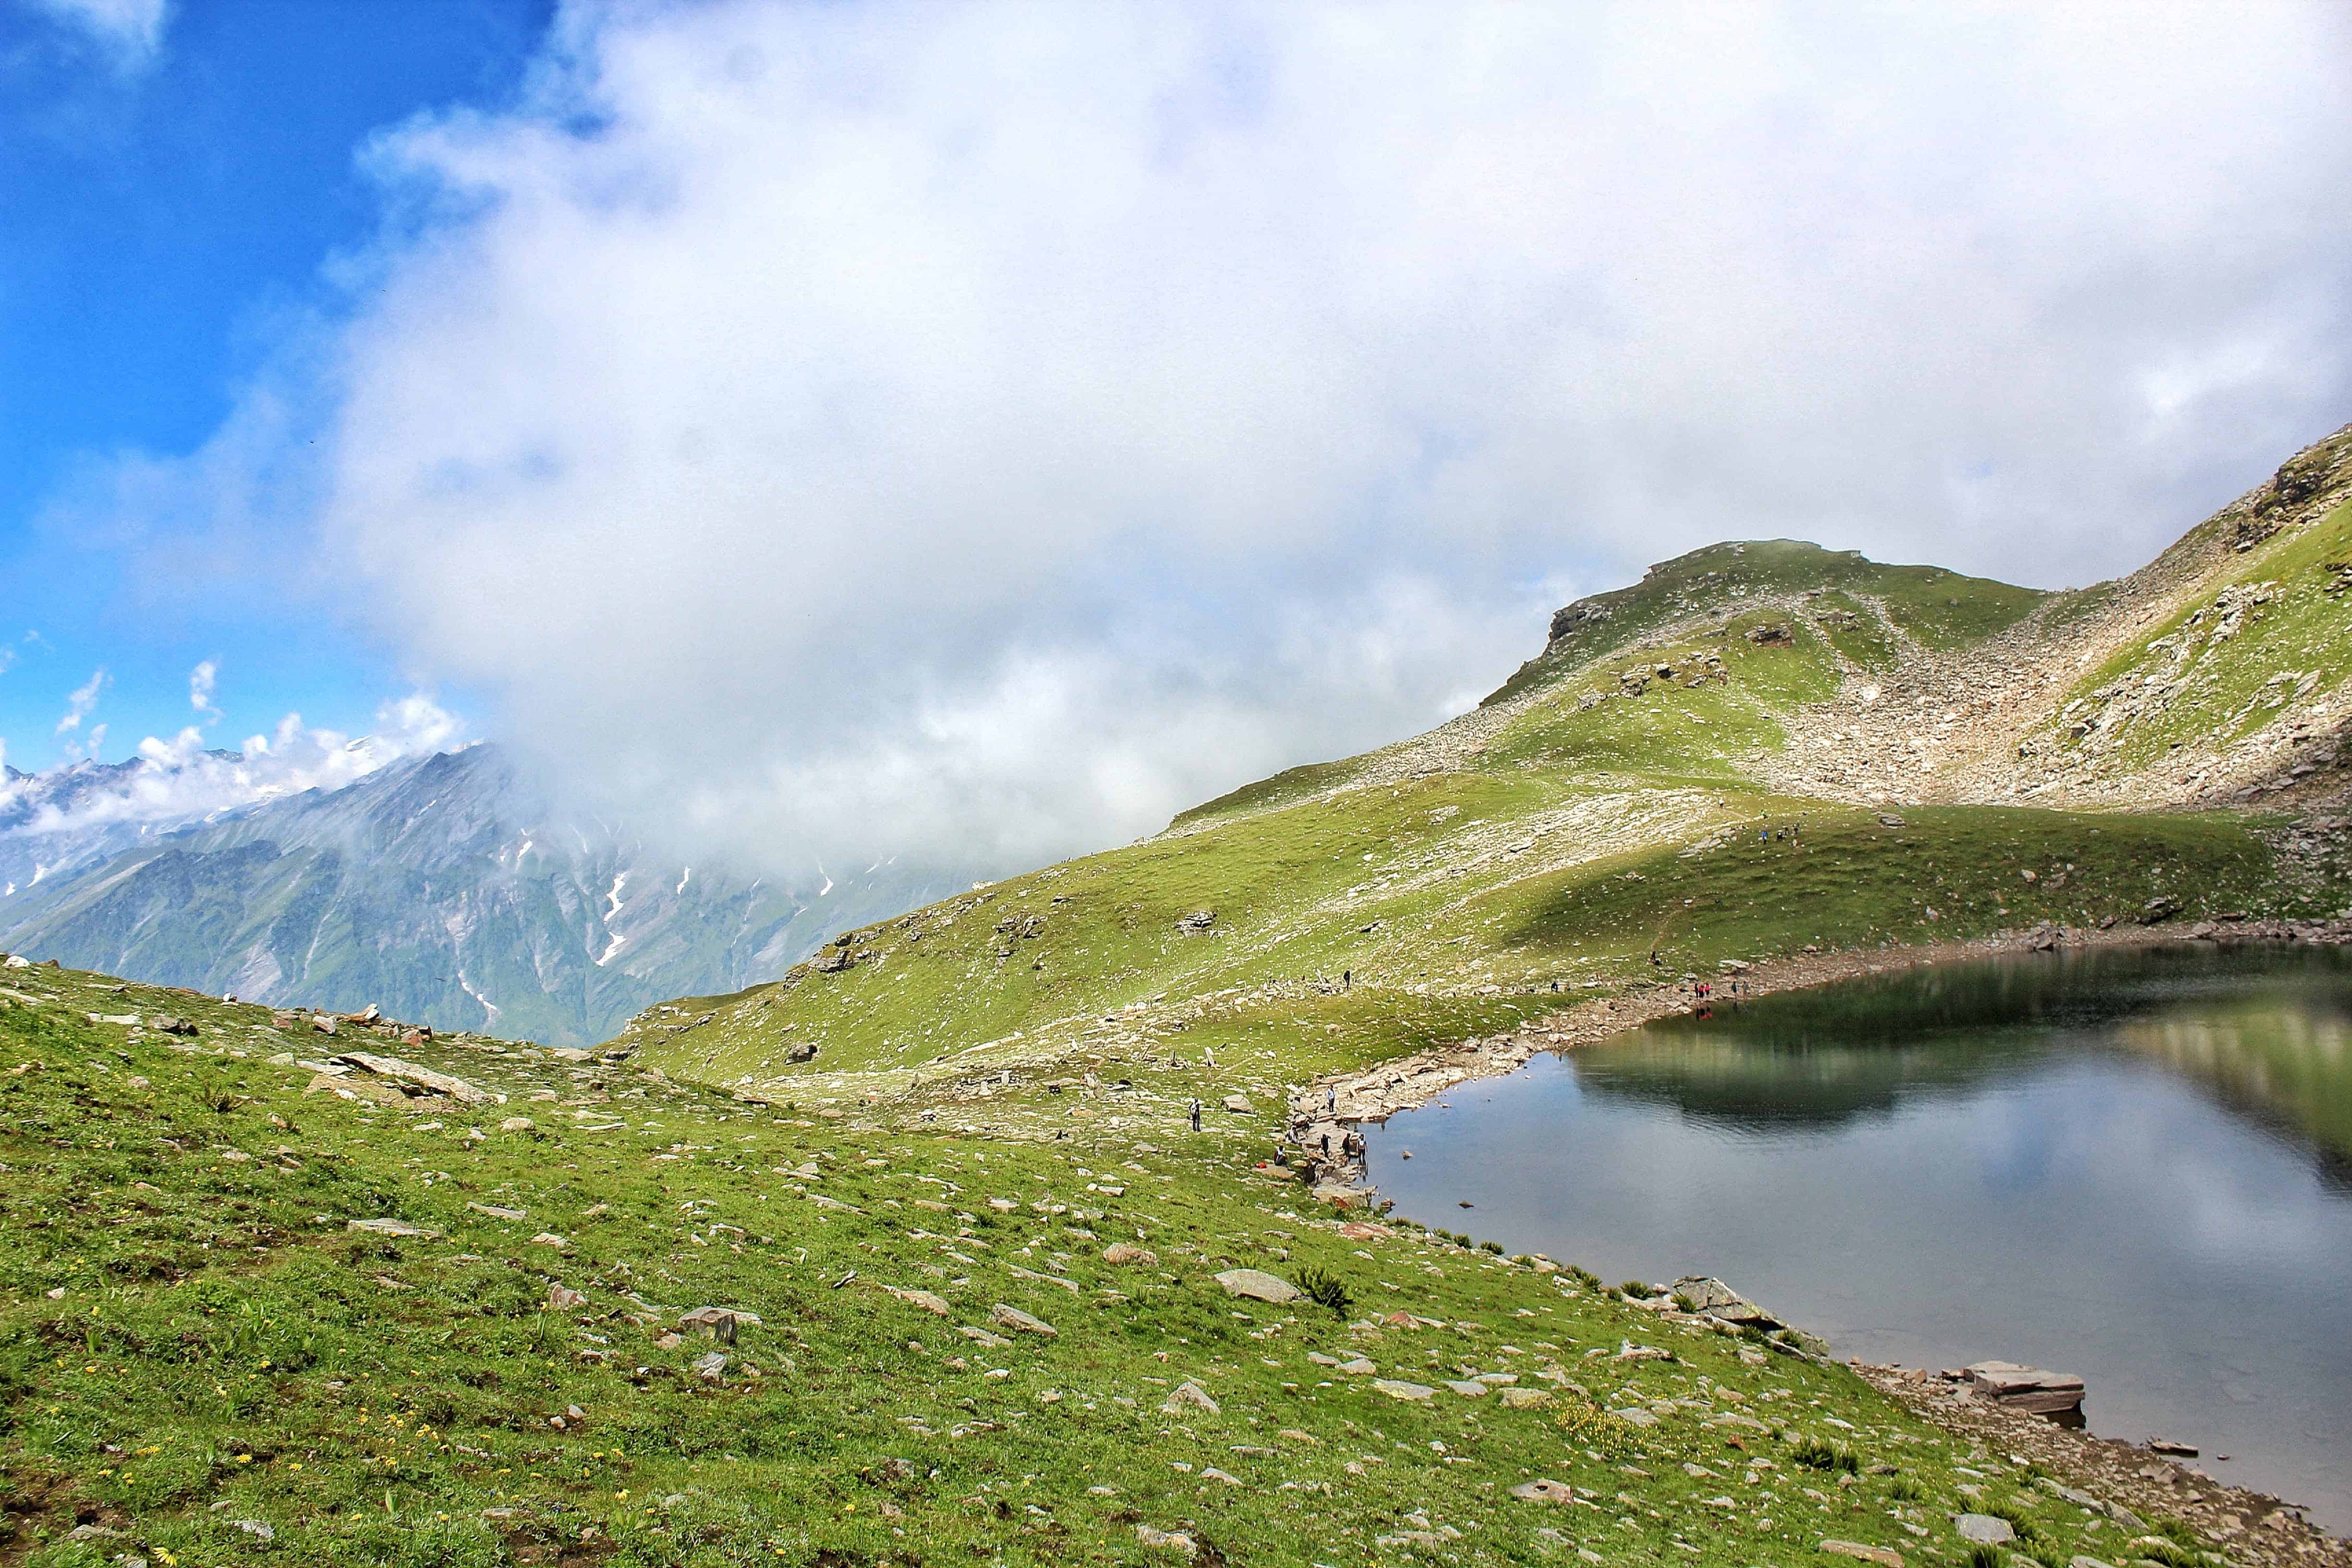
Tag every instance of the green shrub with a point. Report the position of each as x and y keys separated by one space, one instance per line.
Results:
x=1815 y=1455
x=1324 y=1288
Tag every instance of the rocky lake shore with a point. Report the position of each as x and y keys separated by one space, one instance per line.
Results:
x=2122 y=1482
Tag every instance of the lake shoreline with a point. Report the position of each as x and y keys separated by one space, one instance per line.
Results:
x=1338 y=1102
x=2258 y=1527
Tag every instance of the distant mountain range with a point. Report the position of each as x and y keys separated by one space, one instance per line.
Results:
x=447 y=889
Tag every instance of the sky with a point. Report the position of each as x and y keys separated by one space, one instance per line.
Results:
x=977 y=432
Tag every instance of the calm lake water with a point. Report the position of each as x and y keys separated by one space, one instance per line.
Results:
x=2132 y=1165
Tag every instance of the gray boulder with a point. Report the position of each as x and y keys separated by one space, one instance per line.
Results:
x=1257 y=1285
x=1984 y=1529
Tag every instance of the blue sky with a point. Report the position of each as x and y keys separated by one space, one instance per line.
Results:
x=168 y=210
x=869 y=427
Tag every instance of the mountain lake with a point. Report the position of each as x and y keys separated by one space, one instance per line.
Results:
x=2130 y=1164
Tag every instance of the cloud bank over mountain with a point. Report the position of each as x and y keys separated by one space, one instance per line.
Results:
x=171 y=781
x=981 y=431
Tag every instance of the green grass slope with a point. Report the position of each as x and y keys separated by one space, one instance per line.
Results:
x=2271 y=634
x=966 y=1125
x=202 y=1362
x=1445 y=907
x=1926 y=605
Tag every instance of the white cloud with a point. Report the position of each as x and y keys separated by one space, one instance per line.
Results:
x=180 y=778
x=81 y=700
x=202 y=681
x=981 y=431
x=130 y=32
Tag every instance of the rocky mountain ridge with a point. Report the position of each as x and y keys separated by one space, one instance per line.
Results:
x=449 y=888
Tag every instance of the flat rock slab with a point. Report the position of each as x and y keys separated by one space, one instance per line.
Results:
x=1013 y=1317
x=1712 y=1297
x=1407 y=1391
x=1885 y=1557
x=1257 y=1285
x=935 y=1305
x=1545 y=1492
x=392 y=1068
x=1984 y=1529
x=399 y=1227
x=2027 y=1388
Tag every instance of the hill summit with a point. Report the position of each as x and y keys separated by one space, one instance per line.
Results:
x=1958 y=758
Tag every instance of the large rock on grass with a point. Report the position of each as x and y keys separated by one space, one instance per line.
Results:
x=1257 y=1285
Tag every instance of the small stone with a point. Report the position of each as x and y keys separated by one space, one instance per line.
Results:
x=1357 y=1366
x=1189 y=1395
x=1213 y=1474
x=708 y=1366
x=1559 y=1493
x=716 y=1322
x=1525 y=1398
x=563 y=1298
x=515 y=1124
x=1124 y=1254
x=1013 y=1317
x=1469 y=1389
x=1884 y=1557
x=396 y=1228
x=935 y=1305
x=1239 y=1104
x=495 y=1212
x=1406 y=1391
x=549 y=1239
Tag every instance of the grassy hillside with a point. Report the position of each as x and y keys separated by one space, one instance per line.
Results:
x=945 y=1171
x=202 y=1362
x=1448 y=905
x=2267 y=636
x=1923 y=605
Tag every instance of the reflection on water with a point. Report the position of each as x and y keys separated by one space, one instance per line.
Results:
x=2290 y=1066
x=2131 y=1165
